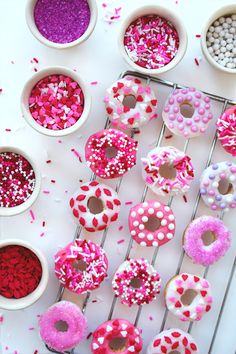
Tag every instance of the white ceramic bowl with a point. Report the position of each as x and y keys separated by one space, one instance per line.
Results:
x=34 y=30
x=17 y=304
x=30 y=85
x=24 y=206
x=168 y=15
x=222 y=11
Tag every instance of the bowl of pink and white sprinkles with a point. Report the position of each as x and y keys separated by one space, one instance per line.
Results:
x=55 y=101
x=152 y=40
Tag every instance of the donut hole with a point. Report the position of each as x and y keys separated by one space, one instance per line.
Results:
x=225 y=186
x=118 y=344
x=186 y=110
x=110 y=152
x=167 y=171
x=188 y=297
x=79 y=265
x=208 y=238
x=61 y=326
x=136 y=283
x=129 y=101
x=152 y=224
x=95 y=205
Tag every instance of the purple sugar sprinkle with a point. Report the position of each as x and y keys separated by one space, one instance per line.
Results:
x=62 y=21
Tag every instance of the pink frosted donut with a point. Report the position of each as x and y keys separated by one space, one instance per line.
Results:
x=144 y=98
x=226 y=130
x=95 y=206
x=209 y=253
x=196 y=121
x=110 y=153
x=136 y=282
x=151 y=223
x=63 y=326
x=173 y=340
x=167 y=170
x=81 y=266
x=188 y=296
x=116 y=336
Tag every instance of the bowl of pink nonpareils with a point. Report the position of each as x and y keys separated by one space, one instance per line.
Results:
x=152 y=40
x=55 y=101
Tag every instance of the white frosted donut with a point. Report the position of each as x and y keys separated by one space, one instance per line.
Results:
x=188 y=296
x=123 y=116
x=199 y=118
x=167 y=170
x=173 y=340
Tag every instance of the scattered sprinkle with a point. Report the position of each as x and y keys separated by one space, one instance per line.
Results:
x=150 y=318
x=32 y=215
x=42 y=234
x=111 y=13
x=185 y=198
x=196 y=61
x=31 y=328
x=7 y=129
x=46 y=191
x=43 y=224
x=53 y=181
x=128 y=203
x=89 y=335
x=77 y=154
x=120 y=241
x=93 y=82
x=48 y=161
x=198 y=36
x=1 y=318
x=120 y=228
x=36 y=60
x=169 y=136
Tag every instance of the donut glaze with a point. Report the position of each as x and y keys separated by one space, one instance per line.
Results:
x=141 y=214
x=93 y=272
x=171 y=340
x=110 y=167
x=123 y=116
x=209 y=184
x=194 y=245
x=226 y=130
x=148 y=278
x=72 y=318
x=114 y=330
x=201 y=303
x=106 y=196
x=168 y=156
x=179 y=124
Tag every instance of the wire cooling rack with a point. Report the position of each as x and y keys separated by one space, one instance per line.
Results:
x=223 y=103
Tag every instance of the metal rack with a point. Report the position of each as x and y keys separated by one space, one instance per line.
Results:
x=225 y=102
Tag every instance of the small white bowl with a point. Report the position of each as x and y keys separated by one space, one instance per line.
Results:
x=60 y=70
x=29 y=13
x=222 y=11
x=27 y=204
x=168 y=15
x=17 y=304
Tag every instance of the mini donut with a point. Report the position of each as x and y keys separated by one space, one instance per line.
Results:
x=81 y=266
x=226 y=130
x=173 y=340
x=63 y=326
x=179 y=123
x=193 y=242
x=151 y=223
x=213 y=193
x=116 y=336
x=136 y=282
x=110 y=153
x=123 y=116
x=95 y=206
x=167 y=170
x=188 y=296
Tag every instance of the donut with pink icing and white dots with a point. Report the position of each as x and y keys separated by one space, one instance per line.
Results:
x=151 y=223
x=189 y=123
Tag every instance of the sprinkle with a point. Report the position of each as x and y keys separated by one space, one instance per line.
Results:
x=89 y=335
x=120 y=241
x=42 y=234
x=46 y=192
x=1 y=318
x=7 y=130
x=59 y=141
x=32 y=215
x=93 y=82
x=1 y=90
x=112 y=13
x=94 y=300
x=31 y=328
x=169 y=136
x=150 y=318
x=198 y=36
x=35 y=60
x=120 y=228
x=35 y=352
x=128 y=203
x=77 y=154
x=53 y=181
x=196 y=61
x=12 y=62
x=48 y=161
x=185 y=198
x=43 y=224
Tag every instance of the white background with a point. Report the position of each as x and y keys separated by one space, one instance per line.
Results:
x=99 y=60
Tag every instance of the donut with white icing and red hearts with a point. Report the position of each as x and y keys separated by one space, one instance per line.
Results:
x=151 y=223
x=188 y=126
x=123 y=116
x=173 y=340
x=226 y=130
x=116 y=336
x=95 y=206
x=188 y=296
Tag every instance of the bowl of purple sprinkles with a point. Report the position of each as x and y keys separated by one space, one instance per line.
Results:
x=61 y=23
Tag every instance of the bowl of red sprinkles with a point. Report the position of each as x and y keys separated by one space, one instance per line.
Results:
x=23 y=274
x=55 y=101
x=152 y=40
x=20 y=181
x=61 y=23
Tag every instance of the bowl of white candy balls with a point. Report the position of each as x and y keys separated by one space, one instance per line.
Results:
x=218 y=39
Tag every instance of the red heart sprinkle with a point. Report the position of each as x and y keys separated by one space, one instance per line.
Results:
x=126 y=109
x=184 y=276
x=203 y=293
x=154 y=102
x=131 y=121
x=180 y=290
x=178 y=304
x=208 y=307
x=196 y=279
x=149 y=109
x=139 y=98
x=109 y=110
x=186 y=313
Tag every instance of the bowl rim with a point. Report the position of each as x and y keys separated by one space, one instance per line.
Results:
x=31 y=82
x=34 y=30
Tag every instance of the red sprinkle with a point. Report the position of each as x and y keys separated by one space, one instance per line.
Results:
x=196 y=61
x=89 y=335
x=77 y=154
x=43 y=224
x=128 y=203
x=48 y=161
x=120 y=241
x=35 y=60
x=32 y=215
x=7 y=130
x=169 y=136
x=93 y=83
x=35 y=70
x=185 y=198
x=198 y=36
x=53 y=181
x=121 y=228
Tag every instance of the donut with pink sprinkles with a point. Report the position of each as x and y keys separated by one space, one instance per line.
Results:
x=95 y=206
x=226 y=130
x=81 y=266
x=144 y=103
x=136 y=282
x=187 y=112
x=151 y=223
x=110 y=153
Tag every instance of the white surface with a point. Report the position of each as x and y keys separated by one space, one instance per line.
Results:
x=99 y=59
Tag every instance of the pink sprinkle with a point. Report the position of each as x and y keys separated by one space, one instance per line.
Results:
x=104 y=5
x=32 y=215
x=93 y=82
x=121 y=228
x=42 y=234
x=150 y=318
x=196 y=61
x=6 y=347
x=1 y=318
x=59 y=141
x=120 y=241
x=46 y=192
x=128 y=203
x=16 y=352
x=12 y=62
x=77 y=154
x=31 y=328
